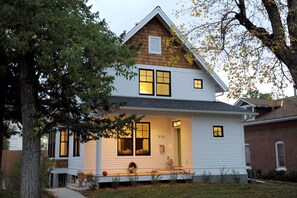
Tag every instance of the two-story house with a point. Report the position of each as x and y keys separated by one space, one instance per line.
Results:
x=183 y=120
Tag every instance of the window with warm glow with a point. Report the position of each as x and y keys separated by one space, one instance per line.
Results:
x=64 y=143
x=125 y=143
x=163 y=83
x=142 y=136
x=198 y=84
x=218 y=131
x=146 y=82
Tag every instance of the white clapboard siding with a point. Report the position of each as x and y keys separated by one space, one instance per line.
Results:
x=181 y=84
x=213 y=154
x=75 y=163
x=161 y=134
x=90 y=157
x=186 y=142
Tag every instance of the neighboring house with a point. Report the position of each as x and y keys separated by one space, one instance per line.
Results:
x=271 y=136
x=182 y=119
x=15 y=142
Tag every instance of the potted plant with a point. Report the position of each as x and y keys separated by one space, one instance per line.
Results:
x=80 y=177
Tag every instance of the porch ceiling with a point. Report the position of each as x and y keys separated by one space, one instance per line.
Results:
x=178 y=105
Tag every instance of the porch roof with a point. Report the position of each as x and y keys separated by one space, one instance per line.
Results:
x=142 y=103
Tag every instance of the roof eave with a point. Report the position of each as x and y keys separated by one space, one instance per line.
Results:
x=270 y=121
x=183 y=110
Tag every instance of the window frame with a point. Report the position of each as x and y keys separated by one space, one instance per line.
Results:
x=150 y=51
x=248 y=159
x=132 y=150
x=198 y=80
x=76 y=145
x=213 y=131
x=149 y=139
x=169 y=84
x=51 y=144
x=278 y=167
x=65 y=141
x=153 y=82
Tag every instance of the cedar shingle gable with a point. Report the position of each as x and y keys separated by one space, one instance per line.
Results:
x=155 y=28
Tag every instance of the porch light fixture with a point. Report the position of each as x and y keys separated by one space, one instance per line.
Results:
x=176 y=123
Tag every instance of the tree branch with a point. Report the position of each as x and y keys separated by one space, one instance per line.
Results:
x=275 y=20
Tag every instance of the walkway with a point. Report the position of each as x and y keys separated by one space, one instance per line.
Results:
x=65 y=193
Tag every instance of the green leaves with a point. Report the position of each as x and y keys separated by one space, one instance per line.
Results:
x=70 y=50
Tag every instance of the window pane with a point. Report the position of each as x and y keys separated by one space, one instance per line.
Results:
x=142 y=138
x=146 y=88
x=125 y=146
x=247 y=155
x=63 y=149
x=64 y=143
x=163 y=89
x=198 y=84
x=218 y=131
x=281 y=154
x=155 y=45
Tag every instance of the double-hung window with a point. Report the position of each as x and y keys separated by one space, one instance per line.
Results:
x=280 y=155
x=64 y=138
x=146 y=82
x=140 y=140
x=125 y=143
x=163 y=83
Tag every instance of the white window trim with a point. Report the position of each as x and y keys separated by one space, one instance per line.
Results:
x=149 y=45
x=278 y=167
x=248 y=167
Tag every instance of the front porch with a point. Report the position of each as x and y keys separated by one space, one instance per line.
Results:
x=155 y=175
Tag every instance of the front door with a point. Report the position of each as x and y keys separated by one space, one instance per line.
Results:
x=179 y=157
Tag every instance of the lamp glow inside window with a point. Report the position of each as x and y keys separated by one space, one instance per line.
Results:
x=218 y=131
x=198 y=84
x=154 y=45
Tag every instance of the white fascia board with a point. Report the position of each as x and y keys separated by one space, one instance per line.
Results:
x=270 y=121
x=183 y=110
x=242 y=100
x=169 y=24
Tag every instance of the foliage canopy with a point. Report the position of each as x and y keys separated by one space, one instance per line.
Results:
x=253 y=41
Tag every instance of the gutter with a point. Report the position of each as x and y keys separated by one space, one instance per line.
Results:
x=186 y=111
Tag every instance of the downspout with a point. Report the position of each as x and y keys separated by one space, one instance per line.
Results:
x=220 y=94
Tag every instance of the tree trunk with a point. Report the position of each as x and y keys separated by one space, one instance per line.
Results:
x=1 y=145
x=30 y=166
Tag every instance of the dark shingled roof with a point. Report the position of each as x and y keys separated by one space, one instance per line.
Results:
x=288 y=109
x=179 y=105
x=258 y=102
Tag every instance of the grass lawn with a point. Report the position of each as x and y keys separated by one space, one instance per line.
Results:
x=200 y=190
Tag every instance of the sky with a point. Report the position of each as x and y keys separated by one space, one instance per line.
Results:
x=122 y=15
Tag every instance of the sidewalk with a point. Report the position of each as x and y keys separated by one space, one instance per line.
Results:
x=65 y=193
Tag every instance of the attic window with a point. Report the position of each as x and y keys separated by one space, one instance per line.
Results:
x=154 y=45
